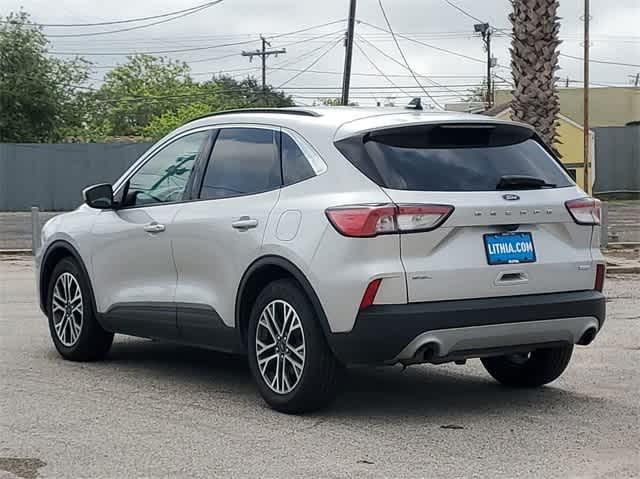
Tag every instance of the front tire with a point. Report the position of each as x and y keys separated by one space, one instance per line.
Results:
x=288 y=355
x=534 y=369
x=73 y=326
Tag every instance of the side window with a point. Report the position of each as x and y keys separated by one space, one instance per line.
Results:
x=243 y=161
x=295 y=166
x=164 y=177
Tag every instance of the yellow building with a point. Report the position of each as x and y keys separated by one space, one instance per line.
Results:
x=611 y=106
x=570 y=144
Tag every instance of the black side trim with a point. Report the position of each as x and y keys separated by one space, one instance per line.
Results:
x=201 y=325
x=382 y=331
x=185 y=323
x=156 y=320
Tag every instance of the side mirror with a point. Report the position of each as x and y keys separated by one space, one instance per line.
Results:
x=99 y=196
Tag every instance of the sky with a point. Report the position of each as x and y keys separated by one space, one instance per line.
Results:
x=448 y=62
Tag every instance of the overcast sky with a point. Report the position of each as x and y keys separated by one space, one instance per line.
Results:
x=614 y=29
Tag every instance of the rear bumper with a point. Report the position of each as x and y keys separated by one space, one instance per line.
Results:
x=446 y=330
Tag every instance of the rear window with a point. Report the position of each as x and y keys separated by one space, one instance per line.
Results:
x=452 y=157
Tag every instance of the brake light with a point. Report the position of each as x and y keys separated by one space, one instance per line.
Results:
x=366 y=221
x=600 y=273
x=370 y=294
x=585 y=211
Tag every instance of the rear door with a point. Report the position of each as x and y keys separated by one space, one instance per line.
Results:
x=507 y=235
x=217 y=237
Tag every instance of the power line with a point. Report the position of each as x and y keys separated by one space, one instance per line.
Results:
x=139 y=27
x=373 y=64
x=444 y=50
x=464 y=11
x=304 y=55
x=384 y=14
x=129 y=20
x=606 y=62
x=304 y=70
x=305 y=29
x=386 y=55
x=263 y=54
x=591 y=60
x=179 y=50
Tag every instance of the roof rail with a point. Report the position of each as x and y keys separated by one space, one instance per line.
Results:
x=287 y=111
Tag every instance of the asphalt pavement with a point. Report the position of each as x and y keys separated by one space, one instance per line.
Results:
x=156 y=410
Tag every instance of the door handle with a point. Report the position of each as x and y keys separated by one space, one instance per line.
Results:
x=245 y=223
x=154 y=228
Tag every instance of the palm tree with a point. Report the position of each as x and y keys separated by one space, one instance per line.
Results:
x=534 y=61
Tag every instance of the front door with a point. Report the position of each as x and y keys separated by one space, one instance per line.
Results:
x=132 y=258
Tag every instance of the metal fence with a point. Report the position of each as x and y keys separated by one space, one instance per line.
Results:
x=617 y=159
x=52 y=176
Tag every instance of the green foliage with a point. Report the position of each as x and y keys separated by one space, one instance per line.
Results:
x=218 y=94
x=38 y=95
x=133 y=93
x=45 y=99
x=164 y=123
x=149 y=96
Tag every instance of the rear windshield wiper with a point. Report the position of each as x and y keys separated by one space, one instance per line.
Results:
x=514 y=182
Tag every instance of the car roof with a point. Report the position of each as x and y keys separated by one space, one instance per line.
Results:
x=338 y=122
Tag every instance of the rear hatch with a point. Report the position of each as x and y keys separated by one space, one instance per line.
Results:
x=509 y=231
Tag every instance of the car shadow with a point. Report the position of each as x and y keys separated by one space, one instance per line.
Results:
x=447 y=393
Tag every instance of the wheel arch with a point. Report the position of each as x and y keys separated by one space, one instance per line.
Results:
x=263 y=271
x=56 y=252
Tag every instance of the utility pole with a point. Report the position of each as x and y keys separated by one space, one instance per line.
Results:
x=485 y=30
x=263 y=54
x=585 y=123
x=348 y=55
x=636 y=79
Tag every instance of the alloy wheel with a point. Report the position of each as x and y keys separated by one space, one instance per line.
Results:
x=67 y=309
x=280 y=346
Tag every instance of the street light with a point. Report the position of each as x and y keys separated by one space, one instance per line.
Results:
x=481 y=28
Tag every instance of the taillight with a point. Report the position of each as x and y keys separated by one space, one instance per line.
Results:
x=370 y=294
x=600 y=272
x=585 y=211
x=366 y=221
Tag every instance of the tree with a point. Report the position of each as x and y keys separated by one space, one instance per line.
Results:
x=164 y=123
x=534 y=61
x=149 y=96
x=217 y=94
x=133 y=93
x=38 y=94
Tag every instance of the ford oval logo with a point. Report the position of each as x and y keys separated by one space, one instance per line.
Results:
x=511 y=197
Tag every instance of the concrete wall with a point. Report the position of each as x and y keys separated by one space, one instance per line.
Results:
x=52 y=176
x=618 y=159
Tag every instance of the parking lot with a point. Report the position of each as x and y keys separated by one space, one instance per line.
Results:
x=158 y=410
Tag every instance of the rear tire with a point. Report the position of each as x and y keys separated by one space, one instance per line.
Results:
x=539 y=367
x=285 y=340
x=73 y=326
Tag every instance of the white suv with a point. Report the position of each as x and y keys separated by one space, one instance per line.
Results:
x=310 y=239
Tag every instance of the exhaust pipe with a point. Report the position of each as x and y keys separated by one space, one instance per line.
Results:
x=588 y=336
x=427 y=352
